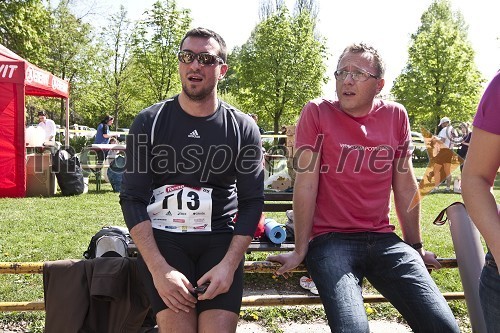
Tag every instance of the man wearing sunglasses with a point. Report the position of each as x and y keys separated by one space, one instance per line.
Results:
x=351 y=153
x=192 y=162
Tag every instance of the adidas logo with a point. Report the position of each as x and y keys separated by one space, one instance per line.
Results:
x=194 y=134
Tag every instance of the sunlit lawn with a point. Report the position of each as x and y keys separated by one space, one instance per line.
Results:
x=42 y=229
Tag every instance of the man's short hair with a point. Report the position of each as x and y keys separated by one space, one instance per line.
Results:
x=365 y=48
x=207 y=33
x=42 y=113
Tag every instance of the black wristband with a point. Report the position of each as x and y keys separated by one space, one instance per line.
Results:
x=417 y=246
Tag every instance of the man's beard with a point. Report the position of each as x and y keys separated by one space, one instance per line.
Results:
x=198 y=95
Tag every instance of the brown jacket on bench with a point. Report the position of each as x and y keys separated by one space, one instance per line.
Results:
x=96 y=295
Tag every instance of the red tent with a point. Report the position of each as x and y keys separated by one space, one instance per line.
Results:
x=19 y=78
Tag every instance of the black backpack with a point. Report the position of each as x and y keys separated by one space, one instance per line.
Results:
x=69 y=173
x=109 y=242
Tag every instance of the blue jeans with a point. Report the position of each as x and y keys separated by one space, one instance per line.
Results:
x=489 y=294
x=338 y=263
x=115 y=178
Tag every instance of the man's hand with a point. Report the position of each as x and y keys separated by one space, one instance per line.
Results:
x=430 y=259
x=220 y=278
x=288 y=261
x=175 y=290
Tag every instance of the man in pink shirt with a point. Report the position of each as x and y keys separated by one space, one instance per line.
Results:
x=351 y=153
x=480 y=170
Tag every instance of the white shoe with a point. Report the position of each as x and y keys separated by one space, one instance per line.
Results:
x=308 y=284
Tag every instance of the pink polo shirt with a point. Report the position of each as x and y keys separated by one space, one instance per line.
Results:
x=488 y=112
x=357 y=160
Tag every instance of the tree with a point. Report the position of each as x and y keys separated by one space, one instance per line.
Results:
x=268 y=8
x=309 y=6
x=116 y=74
x=440 y=78
x=156 y=43
x=72 y=57
x=108 y=81
x=24 y=26
x=280 y=68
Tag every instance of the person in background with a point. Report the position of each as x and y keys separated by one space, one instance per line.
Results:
x=202 y=160
x=48 y=126
x=256 y=119
x=115 y=162
x=480 y=169
x=282 y=141
x=351 y=153
x=462 y=150
x=104 y=131
x=444 y=155
x=112 y=152
x=103 y=136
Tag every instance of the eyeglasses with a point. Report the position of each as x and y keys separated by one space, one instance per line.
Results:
x=204 y=58
x=356 y=76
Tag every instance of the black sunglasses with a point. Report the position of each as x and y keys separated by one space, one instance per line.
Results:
x=204 y=58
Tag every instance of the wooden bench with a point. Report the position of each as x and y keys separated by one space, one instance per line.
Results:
x=281 y=202
x=251 y=267
x=274 y=202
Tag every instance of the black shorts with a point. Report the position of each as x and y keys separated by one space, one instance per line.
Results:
x=445 y=155
x=193 y=255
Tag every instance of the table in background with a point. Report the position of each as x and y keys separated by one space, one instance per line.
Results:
x=89 y=159
x=270 y=160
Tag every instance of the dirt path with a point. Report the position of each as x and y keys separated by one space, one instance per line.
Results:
x=268 y=286
x=376 y=326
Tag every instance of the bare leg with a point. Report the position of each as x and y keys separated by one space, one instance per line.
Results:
x=170 y=322
x=437 y=175
x=217 y=321
x=447 y=172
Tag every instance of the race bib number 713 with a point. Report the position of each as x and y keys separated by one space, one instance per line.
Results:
x=180 y=208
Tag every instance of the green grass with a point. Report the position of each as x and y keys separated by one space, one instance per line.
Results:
x=42 y=229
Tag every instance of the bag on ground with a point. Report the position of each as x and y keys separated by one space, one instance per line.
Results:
x=109 y=242
x=69 y=174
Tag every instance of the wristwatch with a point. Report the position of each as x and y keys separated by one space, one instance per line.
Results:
x=417 y=246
